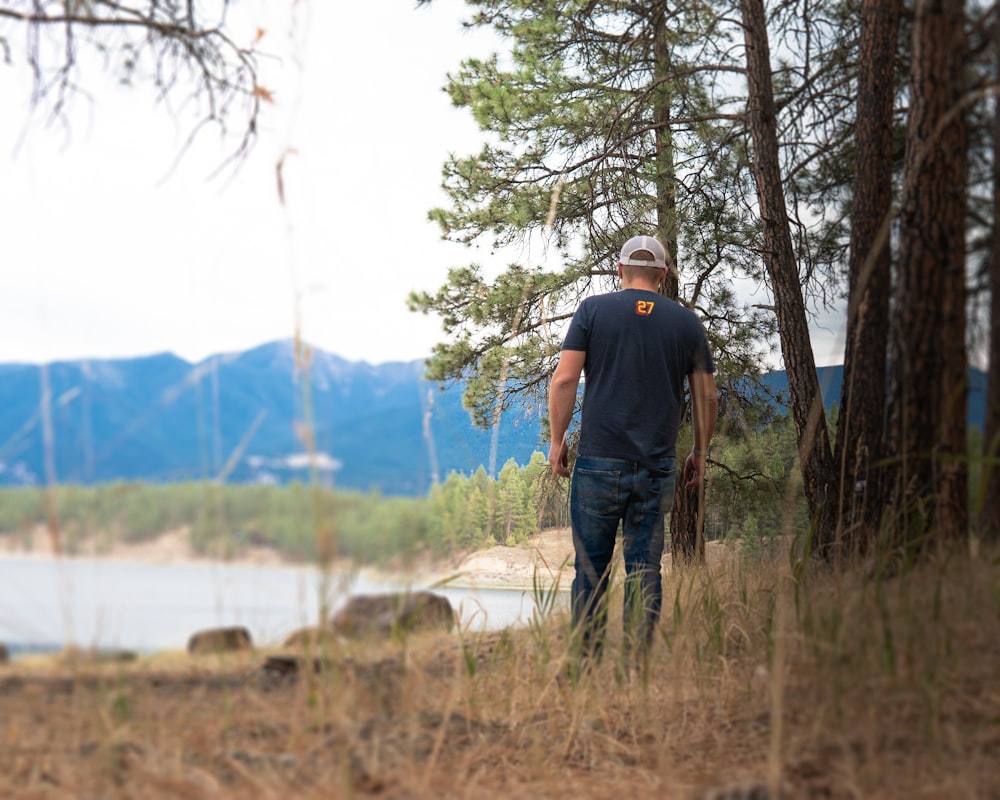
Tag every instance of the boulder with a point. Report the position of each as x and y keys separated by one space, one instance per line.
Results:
x=394 y=613
x=313 y=637
x=220 y=640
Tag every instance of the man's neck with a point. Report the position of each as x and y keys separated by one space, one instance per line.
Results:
x=642 y=285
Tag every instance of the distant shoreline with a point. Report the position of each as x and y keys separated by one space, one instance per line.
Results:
x=545 y=560
x=547 y=557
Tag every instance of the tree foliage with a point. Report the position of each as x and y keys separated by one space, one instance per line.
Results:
x=577 y=158
x=761 y=142
x=609 y=119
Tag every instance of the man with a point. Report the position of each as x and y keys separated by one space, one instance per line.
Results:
x=635 y=347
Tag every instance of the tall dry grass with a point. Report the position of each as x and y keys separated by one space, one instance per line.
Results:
x=767 y=680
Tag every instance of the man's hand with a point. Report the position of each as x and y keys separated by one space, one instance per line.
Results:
x=694 y=470
x=559 y=458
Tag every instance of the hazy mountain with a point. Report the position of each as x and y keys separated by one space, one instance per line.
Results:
x=831 y=380
x=243 y=417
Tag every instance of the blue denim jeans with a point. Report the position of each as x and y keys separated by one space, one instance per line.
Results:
x=605 y=492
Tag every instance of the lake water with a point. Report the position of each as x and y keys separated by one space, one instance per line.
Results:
x=48 y=603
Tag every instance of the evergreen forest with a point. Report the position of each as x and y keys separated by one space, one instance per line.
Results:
x=754 y=496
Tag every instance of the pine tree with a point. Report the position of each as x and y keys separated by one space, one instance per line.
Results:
x=928 y=473
x=516 y=520
x=606 y=120
x=482 y=505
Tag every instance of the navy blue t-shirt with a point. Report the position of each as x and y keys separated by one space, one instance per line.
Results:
x=640 y=346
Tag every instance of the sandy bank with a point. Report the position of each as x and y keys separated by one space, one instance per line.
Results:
x=547 y=558
x=171 y=547
x=549 y=554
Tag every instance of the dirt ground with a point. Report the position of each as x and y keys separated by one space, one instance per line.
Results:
x=755 y=689
x=392 y=727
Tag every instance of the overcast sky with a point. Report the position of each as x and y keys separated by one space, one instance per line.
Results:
x=107 y=252
x=104 y=254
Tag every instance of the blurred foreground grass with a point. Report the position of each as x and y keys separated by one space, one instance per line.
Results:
x=766 y=681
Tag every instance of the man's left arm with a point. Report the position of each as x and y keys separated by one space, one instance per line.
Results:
x=704 y=411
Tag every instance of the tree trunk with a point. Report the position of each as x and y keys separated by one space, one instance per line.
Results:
x=687 y=526
x=666 y=178
x=805 y=400
x=687 y=541
x=989 y=511
x=928 y=451
x=860 y=429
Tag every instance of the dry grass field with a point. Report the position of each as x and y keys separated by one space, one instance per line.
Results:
x=766 y=682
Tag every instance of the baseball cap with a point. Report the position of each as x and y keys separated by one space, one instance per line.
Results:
x=643 y=251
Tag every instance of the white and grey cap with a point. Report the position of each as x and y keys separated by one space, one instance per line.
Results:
x=643 y=251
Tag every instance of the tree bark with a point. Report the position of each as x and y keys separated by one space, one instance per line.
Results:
x=860 y=428
x=687 y=540
x=666 y=178
x=928 y=451
x=989 y=511
x=805 y=399
x=687 y=526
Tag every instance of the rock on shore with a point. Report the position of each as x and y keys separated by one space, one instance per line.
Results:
x=548 y=554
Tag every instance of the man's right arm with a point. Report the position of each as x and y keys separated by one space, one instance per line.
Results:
x=562 y=399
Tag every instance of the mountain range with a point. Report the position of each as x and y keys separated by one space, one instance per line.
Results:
x=254 y=416
x=831 y=381
x=262 y=416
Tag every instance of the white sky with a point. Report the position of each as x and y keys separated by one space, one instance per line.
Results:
x=102 y=256
x=105 y=255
